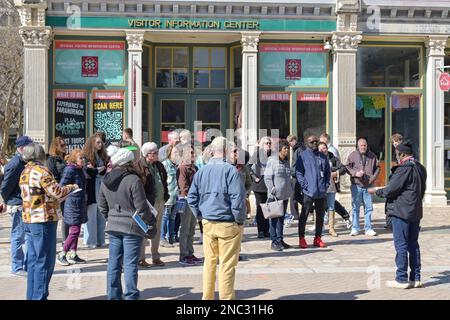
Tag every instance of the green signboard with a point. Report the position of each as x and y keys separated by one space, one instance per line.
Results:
x=191 y=24
x=89 y=62
x=293 y=65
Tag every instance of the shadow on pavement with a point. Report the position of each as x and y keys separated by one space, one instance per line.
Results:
x=295 y=251
x=442 y=278
x=351 y=295
x=186 y=293
x=355 y=240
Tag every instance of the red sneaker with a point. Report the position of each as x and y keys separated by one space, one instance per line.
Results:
x=319 y=243
x=302 y=243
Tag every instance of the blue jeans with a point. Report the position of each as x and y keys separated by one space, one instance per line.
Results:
x=41 y=256
x=406 y=236
x=276 y=226
x=18 y=243
x=94 y=228
x=123 y=248
x=331 y=198
x=360 y=195
x=168 y=223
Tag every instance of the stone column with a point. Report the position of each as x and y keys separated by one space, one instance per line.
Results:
x=135 y=41
x=249 y=90
x=434 y=110
x=344 y=91
x=36 y=39
x=345 y=43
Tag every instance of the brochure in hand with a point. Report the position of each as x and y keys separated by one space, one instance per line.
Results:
x=140 y=222
x=70 y=193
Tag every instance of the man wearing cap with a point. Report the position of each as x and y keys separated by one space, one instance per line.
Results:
x=10 y=192
x=404 y=194
x=154 y=176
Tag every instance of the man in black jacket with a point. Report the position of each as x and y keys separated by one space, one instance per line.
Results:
x=404 y=194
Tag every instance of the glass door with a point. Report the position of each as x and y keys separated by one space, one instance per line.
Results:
x=180 y=111
x=311 y=114
x=371 y=124
x=172 y=110
x=209 y=116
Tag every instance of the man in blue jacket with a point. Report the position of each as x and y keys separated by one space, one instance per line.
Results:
x=313 y=174
x=10 y=192
x=217 y=194
x=404 y=195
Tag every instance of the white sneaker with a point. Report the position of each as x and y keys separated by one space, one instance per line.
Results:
x=354 y=232
x=348 y=224
x=398 y=285
x=370 y=232
x=416 y=284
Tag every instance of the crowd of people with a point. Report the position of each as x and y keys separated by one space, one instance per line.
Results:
x=106 y=188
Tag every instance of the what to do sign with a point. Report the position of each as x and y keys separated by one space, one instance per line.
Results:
x=70 y=117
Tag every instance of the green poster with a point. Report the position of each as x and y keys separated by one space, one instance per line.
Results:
x=89 y=62
x=293 y=65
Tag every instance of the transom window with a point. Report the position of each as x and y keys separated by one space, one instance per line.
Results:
x=172 y=67
x=209 y=67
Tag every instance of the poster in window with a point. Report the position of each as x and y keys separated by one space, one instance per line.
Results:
x=89 y=62
x=293 y=65
x=70 y=117
x=400 y=102
x=108 y=107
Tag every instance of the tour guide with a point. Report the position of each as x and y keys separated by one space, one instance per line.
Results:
x=217 y=194
x=404 y=194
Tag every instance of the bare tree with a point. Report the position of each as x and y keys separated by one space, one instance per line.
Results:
x=11 y=73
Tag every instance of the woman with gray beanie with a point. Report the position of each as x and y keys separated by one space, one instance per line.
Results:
x=121 y=195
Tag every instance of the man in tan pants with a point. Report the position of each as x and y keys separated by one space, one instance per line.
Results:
x=217 y=194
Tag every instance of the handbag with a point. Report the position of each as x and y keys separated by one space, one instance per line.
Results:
x=273 y=209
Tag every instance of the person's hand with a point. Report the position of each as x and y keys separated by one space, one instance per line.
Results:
x=372 y=190
x=359 y=174
x=151 y=233
x=2 y=208
x=75 y=186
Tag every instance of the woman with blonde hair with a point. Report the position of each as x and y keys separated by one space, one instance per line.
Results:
x=96 y=162
x=257 y=166
x=56 y=163
x=74 y=207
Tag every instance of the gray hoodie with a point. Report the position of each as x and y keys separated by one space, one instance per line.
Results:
x=277 y=177
x=121 y=195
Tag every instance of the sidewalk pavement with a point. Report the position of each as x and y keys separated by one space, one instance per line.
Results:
x=349 y=268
